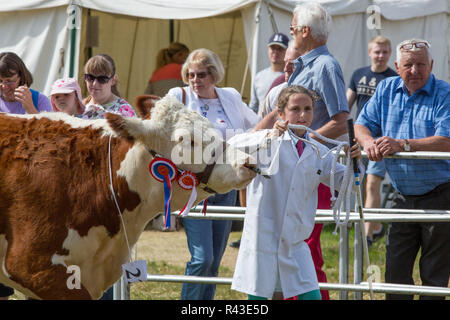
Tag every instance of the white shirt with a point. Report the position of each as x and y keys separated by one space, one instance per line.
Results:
x=239 y=114
x=213 y=110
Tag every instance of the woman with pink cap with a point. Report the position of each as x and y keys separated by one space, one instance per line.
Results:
x=65 y=97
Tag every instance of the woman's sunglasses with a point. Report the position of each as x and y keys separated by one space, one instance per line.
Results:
x=200 y=75
x=100 y=79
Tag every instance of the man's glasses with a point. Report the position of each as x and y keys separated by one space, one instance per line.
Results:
x=411 y=45
x=200 y=75
x=100 y=79
x=293 y=28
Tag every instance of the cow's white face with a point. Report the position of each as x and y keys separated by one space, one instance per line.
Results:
x=190 y=141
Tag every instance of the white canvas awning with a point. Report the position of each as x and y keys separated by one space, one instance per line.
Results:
x=132 y=32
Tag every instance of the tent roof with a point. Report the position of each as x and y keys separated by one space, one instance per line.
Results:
x=182 y=9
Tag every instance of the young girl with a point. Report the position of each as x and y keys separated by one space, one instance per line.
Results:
x=65 y=96
x=101 y=81
x=273 y=256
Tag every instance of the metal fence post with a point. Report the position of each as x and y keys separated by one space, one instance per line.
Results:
x=357 y=259
x=124 y=289
x=117 y=290
x=343 y=259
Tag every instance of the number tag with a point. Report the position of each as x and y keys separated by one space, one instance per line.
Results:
x=135 y=271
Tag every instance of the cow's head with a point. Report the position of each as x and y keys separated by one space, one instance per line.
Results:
x=189 y=140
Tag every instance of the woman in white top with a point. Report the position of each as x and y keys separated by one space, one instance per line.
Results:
x=224 y=107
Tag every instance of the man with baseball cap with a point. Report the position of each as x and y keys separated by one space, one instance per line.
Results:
x=277 y=46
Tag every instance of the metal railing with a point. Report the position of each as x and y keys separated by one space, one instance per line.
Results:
x=121 y=289
x=323 y=216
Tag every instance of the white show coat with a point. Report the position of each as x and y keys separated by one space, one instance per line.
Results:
x=280 y=216
x=239 y=114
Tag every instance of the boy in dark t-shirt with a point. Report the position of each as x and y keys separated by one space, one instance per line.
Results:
x=364 y=82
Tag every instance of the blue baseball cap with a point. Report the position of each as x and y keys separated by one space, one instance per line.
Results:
x=279 y=39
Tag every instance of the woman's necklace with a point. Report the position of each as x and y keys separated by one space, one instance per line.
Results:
x=205 y=105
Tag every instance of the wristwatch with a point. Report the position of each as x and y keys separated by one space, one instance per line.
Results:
x=407 y=146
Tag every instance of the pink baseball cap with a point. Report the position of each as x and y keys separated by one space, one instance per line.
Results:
x=67 y=85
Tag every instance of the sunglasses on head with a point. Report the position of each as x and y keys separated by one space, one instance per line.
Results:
x=200 y=75
x=100 y=79
x=411 y=45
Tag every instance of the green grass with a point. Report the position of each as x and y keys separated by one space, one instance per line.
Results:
x=171 y=291
x=330 y=252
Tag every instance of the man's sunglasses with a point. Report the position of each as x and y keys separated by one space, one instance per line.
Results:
x=200 y=75
x=100 y=79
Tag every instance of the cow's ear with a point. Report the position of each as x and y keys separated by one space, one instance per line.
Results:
x=143 y=104
x=121 y=126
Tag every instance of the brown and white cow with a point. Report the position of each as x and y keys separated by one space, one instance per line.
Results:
x=56 y=203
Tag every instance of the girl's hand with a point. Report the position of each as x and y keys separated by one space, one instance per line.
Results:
x=280 y=127
x=355 y=151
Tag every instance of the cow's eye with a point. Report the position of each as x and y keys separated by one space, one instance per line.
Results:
x=213 y=153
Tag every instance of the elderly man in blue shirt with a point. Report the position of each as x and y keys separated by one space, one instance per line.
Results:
x=411 y=112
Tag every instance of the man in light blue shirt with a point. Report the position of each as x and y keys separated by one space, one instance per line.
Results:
x=412 y=113
x=318 y=70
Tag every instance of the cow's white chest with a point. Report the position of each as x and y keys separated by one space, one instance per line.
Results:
x=97 y=256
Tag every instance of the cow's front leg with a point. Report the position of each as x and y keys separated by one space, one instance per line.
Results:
x=54 y=283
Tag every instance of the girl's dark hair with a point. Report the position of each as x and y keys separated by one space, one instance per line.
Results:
x=285 y=94
x=11 y=64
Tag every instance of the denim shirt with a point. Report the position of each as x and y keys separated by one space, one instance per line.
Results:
x=393 y=112
x=318 y=70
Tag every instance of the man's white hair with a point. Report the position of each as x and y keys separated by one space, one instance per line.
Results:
x=314 y=16
x=414 y=40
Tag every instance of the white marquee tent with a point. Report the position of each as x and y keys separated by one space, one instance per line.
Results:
x=56 y=37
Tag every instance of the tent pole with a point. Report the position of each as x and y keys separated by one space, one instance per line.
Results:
x=227 y=65
x=133 y=48
x=272 y=18
x=72 y=12
x=258 y=12
x=171 y=26
x=73 y=36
